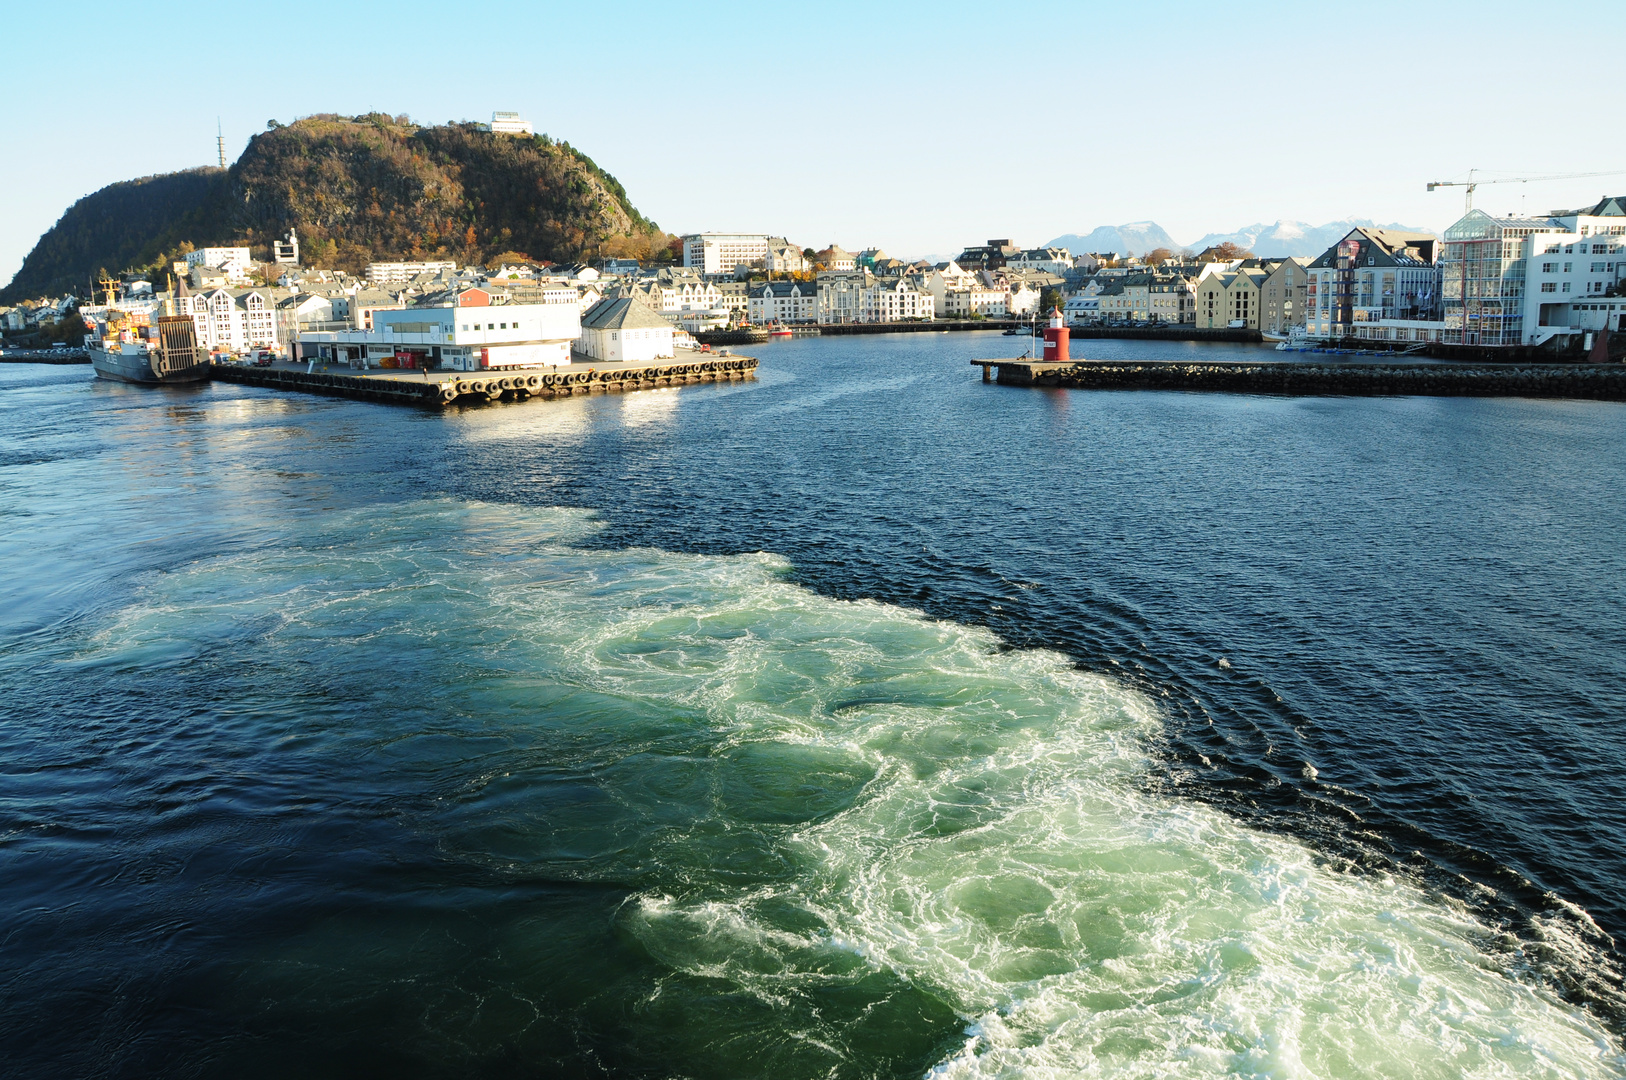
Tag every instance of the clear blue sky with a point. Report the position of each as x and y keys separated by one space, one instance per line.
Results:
x=909 y=126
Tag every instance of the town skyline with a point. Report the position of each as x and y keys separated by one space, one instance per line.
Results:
x=1139 y=136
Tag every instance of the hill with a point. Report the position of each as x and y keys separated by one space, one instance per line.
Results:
x=1136 y=238
x=356 y=189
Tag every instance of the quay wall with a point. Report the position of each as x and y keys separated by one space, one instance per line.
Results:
x=1240 y=335
x=479 y=388
x=1597 y=381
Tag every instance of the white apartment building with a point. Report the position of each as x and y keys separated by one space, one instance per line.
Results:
x=236 y=261
x=720 y=253
x=783 y=302
x=391 y=273
x=896 y=300
x=469 y=332
x=228 y=321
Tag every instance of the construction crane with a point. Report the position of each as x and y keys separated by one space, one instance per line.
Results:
x=1471 y=183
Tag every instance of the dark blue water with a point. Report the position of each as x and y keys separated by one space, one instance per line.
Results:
x=664 y=734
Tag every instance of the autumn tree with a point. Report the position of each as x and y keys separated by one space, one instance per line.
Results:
x=1225 y=252
x=1157 y=256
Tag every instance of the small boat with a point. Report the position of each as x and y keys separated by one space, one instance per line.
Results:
x=780 y=331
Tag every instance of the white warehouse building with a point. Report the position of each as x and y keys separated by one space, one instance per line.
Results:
x=468 y=333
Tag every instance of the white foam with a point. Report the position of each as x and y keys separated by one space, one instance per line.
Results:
x=969 y=819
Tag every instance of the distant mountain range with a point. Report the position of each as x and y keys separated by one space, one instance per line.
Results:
x=1281 y=240
x=1136 y=238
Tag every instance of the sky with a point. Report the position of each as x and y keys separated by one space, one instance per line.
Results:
x=918 y=128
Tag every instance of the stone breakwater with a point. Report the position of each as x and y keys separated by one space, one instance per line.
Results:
x=440 y=388
x=1602 y=381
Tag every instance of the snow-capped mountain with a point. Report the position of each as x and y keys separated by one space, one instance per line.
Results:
x=1136 y=238
x=1280 y=240
x=1288 y=238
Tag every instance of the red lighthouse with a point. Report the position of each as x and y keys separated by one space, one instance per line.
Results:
x=1055 y=339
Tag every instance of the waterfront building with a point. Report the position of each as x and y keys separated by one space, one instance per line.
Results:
x=626 y=329
x=1374 y=274
x=721 y=253
x=1283 y=296
x=469 y=329
x=1523 y=281
x=394 y=273
x=1230 y=297
x=1171 y=299
x=364 y=302
x=783 y=302
x=232 y=320
x=896 y=300
x=841 y=295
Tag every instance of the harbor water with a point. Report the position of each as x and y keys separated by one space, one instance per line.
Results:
x=861 y=720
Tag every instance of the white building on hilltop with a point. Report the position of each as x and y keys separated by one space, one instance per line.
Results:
x=508 y=123
x=720 y=253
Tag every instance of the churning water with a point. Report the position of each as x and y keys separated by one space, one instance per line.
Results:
x=862 y=721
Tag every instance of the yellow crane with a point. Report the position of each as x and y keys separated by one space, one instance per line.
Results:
x=1471 y=183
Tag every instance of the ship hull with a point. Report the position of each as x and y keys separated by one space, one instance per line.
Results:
x=137 y=368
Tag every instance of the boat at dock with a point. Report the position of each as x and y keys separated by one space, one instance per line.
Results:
x=163 y=353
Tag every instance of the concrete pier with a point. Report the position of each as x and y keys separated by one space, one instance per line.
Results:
x=1597 y=381
x=441 y=388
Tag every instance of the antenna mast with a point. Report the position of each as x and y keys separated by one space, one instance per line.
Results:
x=220 y=143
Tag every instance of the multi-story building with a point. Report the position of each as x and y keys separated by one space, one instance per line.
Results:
x=391 y=273
x=1283 y=296
x=783 y=302
x=1230 y=297
x=1370 y=275
x=234 y=261
x=720 y=253
x=896 y=300
x=1052 y=260
x=841 y=295
x=784 y=257
x=990 y=256
x=1170 y=298
x=470 y=330
x=232 y=320
x=1521 y=281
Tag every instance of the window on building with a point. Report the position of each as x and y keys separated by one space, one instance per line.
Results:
x=1549 y=286
x=1566 y=286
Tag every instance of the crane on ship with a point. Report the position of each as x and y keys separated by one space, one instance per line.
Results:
x=1471 y=182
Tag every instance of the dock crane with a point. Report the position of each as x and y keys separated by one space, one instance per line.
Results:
x=1471 y=183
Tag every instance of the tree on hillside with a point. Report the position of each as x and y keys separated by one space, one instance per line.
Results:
x=1157 y=256
x=1223 y=253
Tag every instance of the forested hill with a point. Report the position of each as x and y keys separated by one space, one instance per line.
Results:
x=356 y=189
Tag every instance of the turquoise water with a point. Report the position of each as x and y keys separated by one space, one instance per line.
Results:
x=318 y=760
